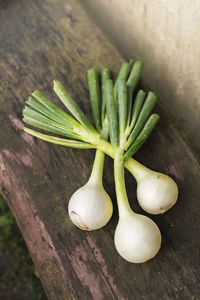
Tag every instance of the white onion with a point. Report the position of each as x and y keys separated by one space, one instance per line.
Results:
x=137 y=238
x=90 y=207
x=156 y=192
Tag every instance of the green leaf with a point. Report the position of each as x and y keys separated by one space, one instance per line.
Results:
x=143 y=136
x=53 y=108
x=143 y=116
x=29 y=112
x=41 y=124
x=71 y=105
x=122 y=105
x=111 y=113
x=59 y=141
x=95 y=99
x=136 y=107
x=105 y=75
x=123 y=74
x=131 y=84
x=46 y=112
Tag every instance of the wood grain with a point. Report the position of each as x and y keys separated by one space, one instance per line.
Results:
x=46 y=40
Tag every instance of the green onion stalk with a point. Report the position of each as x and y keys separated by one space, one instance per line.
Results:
x=156 y=192
x=137 y=238
x=90 y=207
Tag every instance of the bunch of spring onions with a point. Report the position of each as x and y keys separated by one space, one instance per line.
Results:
x=121 y=128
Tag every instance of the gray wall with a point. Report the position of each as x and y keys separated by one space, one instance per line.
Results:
x=166 y=35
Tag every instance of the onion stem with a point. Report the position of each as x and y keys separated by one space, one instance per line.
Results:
x=136 y=169
x=122 y=199
x=97 y=169
x=59 y=141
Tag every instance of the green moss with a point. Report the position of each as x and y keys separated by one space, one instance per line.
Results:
x=17 y=274
x=72 y=297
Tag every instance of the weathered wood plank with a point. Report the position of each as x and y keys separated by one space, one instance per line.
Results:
x=46 y=40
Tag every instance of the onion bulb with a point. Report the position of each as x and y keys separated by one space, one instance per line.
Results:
x=156 y=192
x=90 y=207
x=137 y=238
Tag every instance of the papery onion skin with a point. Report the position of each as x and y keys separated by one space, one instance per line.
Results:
x=156 y=193
x=137 y=238
x=90 y=207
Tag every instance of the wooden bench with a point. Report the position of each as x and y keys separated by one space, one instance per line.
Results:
x=46 y=40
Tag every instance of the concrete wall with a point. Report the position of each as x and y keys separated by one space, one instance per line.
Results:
x=166 y=35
